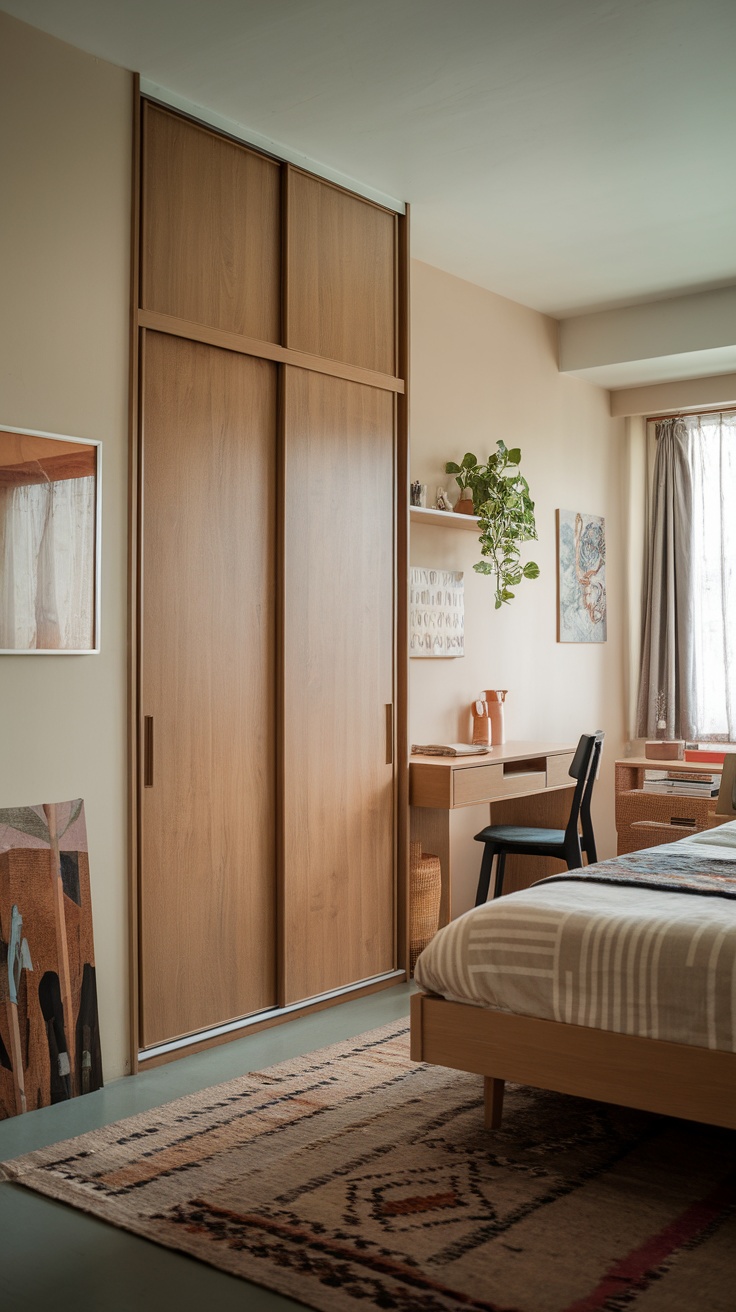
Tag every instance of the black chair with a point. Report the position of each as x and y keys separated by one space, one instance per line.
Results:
x=567 y=844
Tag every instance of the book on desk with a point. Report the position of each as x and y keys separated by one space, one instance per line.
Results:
x=450 y=749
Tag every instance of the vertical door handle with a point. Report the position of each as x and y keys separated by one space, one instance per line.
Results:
x=148 y=751
x=389 y=734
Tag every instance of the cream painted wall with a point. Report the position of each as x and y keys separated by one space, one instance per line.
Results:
x=483 y=368
x=65 y=166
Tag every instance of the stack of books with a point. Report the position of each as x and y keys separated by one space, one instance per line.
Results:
x=686 y=785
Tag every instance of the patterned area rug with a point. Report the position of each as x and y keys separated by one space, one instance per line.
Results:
x=354 y=1178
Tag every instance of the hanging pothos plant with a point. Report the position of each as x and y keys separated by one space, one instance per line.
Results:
x=505 y=516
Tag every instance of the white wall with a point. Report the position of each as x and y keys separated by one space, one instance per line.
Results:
x=485 y=368
x=65 y=164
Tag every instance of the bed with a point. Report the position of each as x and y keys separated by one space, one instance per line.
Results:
x=617 y=983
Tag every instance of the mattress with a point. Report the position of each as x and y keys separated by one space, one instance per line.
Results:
x=641 y=961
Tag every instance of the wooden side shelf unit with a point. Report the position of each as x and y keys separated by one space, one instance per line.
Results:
x=649 y=819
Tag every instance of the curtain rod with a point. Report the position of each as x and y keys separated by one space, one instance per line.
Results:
x=688 y=414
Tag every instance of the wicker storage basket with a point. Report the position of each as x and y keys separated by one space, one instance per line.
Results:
x=425 y=886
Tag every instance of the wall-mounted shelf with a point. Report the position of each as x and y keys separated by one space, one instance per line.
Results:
x=445 y=518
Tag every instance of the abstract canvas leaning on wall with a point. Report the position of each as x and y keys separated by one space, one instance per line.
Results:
x=581 y=577
x=49 y=1032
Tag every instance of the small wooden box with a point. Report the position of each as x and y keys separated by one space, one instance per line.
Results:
x=664 y=749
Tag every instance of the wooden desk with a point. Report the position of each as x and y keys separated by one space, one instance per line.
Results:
x=522 y=783
x=649 y=819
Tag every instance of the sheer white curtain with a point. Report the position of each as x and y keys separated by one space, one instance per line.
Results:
x=47 y=556
x=712 y=457
x=688 y=667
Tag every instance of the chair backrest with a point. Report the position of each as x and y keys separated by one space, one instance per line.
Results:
x=726 y=804
x=584 y=769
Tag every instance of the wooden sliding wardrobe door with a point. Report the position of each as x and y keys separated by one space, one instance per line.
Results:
x=341 y=288
x=210 y=231
x=338 y=791
x=207 y=804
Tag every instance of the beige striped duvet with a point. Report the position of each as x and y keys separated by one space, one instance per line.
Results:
x=639 y=961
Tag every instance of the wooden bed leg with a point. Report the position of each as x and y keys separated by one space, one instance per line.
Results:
x=415 y=1036
x=492 y=1102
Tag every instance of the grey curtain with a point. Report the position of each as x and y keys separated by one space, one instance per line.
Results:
x=666 y=685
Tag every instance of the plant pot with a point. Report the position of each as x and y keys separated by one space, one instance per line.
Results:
x=465 y=505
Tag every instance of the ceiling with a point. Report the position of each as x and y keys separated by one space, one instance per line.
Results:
x=572 y=155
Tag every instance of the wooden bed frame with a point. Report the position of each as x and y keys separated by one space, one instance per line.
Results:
x=698 y=1084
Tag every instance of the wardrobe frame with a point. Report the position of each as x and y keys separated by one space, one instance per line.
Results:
x=140 y=321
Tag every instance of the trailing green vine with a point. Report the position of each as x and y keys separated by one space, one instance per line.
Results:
x=505 y=513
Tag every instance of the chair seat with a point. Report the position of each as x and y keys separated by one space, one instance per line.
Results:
x=566 y=845
x=521 y=834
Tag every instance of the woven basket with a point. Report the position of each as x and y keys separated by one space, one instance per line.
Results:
x=425 y=887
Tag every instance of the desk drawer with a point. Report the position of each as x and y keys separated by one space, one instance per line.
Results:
x=558 y=770
x=489 y=783
x=479 y=783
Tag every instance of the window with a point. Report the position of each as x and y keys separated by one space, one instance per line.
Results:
x=688 y=672
x=712 y=458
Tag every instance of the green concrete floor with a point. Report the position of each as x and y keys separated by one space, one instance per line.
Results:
x=56 y=1259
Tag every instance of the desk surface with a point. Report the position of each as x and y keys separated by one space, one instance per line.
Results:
x=515 y=769
x=504 y=752
x=670 y=767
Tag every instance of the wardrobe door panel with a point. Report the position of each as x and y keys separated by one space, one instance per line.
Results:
x=341 y=275
x=207 y=702
x=211 y=242
x=338 y=675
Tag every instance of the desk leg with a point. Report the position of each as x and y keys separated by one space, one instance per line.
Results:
x=431 y=828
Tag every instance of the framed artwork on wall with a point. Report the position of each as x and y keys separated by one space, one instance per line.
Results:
x=581 y=577
x=436 y=612
x=50 y=497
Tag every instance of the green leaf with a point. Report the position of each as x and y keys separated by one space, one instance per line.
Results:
x=469 y=460
x=505 y=518
x=452 y=468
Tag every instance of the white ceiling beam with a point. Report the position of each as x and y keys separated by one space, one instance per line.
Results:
x=687 y=394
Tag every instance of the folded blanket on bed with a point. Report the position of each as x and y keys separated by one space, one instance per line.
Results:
x=680 y=868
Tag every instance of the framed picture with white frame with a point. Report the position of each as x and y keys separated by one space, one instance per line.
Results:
x=50 y=533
